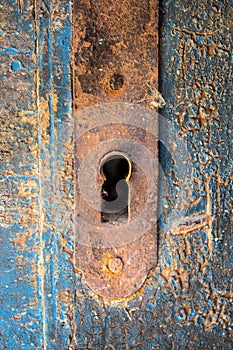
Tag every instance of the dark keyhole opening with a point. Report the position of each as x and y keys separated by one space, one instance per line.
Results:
x=116 y=171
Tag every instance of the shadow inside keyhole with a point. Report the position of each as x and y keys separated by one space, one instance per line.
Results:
x=116 y=171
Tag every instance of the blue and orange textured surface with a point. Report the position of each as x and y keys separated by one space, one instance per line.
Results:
x=187 y=301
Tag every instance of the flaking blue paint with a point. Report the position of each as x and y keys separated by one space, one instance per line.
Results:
x=156 y=316
x=15 y=65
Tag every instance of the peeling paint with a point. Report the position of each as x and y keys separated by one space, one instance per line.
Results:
x=187 y=300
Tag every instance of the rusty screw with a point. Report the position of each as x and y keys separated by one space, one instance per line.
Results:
x=115 y=265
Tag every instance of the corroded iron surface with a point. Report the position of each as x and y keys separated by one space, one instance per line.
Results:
x=133 y=242
x=115 y=51
x=116 y=60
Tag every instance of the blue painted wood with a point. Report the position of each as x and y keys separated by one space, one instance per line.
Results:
x=187 y=301
x=20 y=283
x=56 y=152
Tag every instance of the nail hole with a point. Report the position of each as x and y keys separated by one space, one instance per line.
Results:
x=116 y=82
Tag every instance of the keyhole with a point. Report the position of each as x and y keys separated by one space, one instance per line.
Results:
x=116 y=171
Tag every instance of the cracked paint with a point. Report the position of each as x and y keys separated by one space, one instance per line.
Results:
x=187 y=300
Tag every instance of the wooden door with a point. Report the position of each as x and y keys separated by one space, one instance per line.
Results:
x=186 y=301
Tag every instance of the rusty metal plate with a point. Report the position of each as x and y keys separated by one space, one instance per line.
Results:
x=115 y=93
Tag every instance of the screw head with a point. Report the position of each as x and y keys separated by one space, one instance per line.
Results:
x=115 y=265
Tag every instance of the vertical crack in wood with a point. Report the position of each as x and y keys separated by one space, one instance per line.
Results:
x=40 y=198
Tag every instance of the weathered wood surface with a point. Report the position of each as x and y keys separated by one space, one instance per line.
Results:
x=187 y=301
